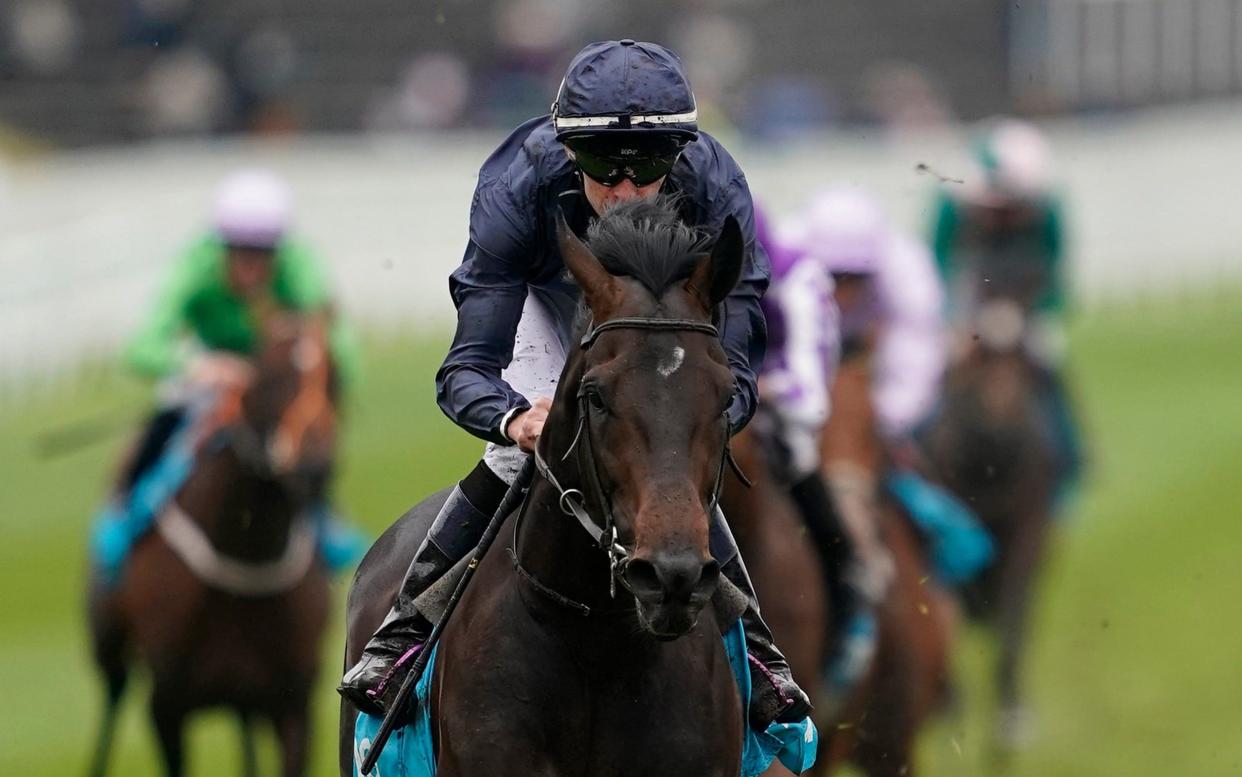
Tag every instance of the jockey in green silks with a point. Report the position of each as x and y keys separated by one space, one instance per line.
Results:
x=221 y=288
x=1004 y=224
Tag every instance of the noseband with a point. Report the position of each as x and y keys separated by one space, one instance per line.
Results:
x=573 y=501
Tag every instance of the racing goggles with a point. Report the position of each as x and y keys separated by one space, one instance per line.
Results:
x=609 y=159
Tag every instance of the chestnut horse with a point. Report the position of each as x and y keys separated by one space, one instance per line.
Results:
x=875 y=726
x=224 y=601
x=585 y=644
x=908 y=678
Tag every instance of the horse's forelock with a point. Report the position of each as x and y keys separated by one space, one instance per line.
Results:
x=646 y=240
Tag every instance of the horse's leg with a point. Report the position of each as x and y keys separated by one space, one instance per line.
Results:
x=168 y=715
x=345 y=752
x=110 y=641
x=1017 y=577
x=293 y=732
x=103 y=744
x=245 y=726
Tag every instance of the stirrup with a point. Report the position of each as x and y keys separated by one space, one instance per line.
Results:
x=371 y=684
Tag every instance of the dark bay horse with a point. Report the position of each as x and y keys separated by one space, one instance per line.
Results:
x=225 y=601
x=543 y=669
x=991 y=446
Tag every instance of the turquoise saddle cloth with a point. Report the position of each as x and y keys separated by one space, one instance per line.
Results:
x=960 y=547
x=118 y=526
x=409 y=752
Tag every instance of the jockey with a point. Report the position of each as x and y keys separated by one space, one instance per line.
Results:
x=624 y=126
x=889 y=300
x=847 y=284
x=1007 y=219
x=245 y=267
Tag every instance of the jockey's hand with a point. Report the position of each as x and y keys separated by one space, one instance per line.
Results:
x=525 y=427
x=219 y=370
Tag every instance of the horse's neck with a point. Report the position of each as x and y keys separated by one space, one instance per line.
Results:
x=244 y=517
x=850 y=439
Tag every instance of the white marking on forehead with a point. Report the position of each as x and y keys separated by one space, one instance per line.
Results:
x=671 y=364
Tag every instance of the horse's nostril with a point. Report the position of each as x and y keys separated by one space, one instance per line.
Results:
x=642 y=576
x=709 y=577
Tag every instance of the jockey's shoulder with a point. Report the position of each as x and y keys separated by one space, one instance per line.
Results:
x=708 y=157
x=529 y=156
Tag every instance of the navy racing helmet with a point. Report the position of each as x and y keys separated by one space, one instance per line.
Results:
x=625 y=109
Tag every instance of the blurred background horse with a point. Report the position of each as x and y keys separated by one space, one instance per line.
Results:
x=991 y=442
x=225 y=602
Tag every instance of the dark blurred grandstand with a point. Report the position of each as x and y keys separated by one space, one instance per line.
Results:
x=84 y=71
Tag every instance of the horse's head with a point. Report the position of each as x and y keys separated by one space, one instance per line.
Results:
x=989 y=399
x=642 y=403
x=287 y=424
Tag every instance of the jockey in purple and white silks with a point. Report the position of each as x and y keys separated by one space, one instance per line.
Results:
x=804 y=345
x=844 y=279
x=889 y=305
x=624 y=126
x=888 y=297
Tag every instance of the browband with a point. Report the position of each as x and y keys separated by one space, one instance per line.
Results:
x=667 y=324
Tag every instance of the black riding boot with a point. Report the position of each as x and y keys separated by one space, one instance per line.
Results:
x=160 y=429
x=775 y=697
x=371 y=683
x=832 y=541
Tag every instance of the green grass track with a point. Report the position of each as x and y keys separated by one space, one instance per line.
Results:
x=1136 y=664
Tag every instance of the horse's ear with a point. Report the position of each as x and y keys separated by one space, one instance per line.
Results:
x=717 y=273
x=599 y=287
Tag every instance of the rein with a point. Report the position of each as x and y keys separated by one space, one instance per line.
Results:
x=572 y=501
x=224 y=427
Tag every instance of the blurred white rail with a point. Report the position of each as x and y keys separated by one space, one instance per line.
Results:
x=84 y=237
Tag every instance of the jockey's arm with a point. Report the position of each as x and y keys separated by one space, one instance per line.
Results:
x=153 y=351
x=798 y=387
x=945 y=230
x=488 y=288
x=1054 y=299
x=911 y=354
x=743 y=329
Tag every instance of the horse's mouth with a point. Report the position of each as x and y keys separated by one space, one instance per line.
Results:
x=667 y=622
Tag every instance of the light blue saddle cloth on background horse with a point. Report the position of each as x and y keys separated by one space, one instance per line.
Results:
x=409 y=752
x=118 y=525
x=960 y=546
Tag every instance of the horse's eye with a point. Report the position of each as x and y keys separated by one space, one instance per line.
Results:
x=597 y=401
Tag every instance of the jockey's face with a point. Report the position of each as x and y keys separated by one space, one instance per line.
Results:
x=851 y=290
x=603 y=197
x=249 y=270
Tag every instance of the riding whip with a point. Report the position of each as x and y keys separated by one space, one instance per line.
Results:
x=512 y=499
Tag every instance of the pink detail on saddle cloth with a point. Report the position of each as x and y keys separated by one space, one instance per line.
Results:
x=378 y=690
x=771 y=678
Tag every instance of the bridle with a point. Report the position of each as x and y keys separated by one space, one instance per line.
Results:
x=573 y=502
x=259 y=455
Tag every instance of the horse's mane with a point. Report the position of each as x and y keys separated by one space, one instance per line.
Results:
x=646 y=240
